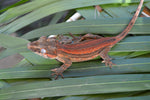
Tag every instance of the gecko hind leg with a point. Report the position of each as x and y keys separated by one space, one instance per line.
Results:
x=59 y=71
x=90 y=36
x=106 y=59
x=84 y=37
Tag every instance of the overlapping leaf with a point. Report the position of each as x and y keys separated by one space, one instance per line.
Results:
x=52 y=8
x=13 y=44
x=86 y=85
x=101 y=79
x=95 y=67
x=105 y=26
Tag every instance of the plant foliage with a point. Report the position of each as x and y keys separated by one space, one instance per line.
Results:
x=91 y=80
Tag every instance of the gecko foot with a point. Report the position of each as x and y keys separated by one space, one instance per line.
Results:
x=108 y=62
x=57 y=72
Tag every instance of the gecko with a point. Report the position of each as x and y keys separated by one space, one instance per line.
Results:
x=79 y=49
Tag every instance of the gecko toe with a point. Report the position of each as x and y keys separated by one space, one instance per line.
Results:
x=57 y=72
x=108 y=63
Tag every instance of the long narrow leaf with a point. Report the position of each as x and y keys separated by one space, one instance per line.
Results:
x=132 y=98
x=56 y=18
x=9 y=52
x=106 y=26
x=26 y=8
x=148 y=5
x=13 y=44
x=52 y=8
x=14 y=5
x=8 y=41
x=110 y=11
x=78 y=86
x=79 y=69
x=37 y=60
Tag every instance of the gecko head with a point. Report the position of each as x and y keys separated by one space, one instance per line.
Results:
x=45 y=47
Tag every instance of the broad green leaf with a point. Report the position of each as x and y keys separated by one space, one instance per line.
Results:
x=78 y=86
x=60 y=5
x=137 y=65
x=105 y=26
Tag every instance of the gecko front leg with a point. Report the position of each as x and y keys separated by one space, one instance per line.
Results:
x=59 y=71
x=106 y=59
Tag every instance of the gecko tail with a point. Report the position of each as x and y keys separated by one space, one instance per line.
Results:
x=131 y=23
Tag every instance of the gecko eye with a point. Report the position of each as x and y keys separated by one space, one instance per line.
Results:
x=43 y=51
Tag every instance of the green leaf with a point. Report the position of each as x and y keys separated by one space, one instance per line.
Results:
x=137 y=65
x=109 y=11
x=54 y=7
x=108 y=96
x=56 y=18
x=8 y=41
x=117 y=11
x=30 y=77
x=23 y=62
x=106 y=26
x=139 y=53
x=13 y=44
x=137 y=43
x=14 y=5
x=132 y=98
x=148 y=5
x=26 y=8
x=3 y=84
x=78 y=86
x=36 y=59
x=13 y=51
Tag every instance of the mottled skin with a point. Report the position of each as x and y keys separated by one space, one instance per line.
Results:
x=79 y=48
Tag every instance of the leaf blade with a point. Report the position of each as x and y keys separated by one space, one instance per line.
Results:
x=83 y=69
x=55 y=7
x=106 y=26
x=78 y=86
